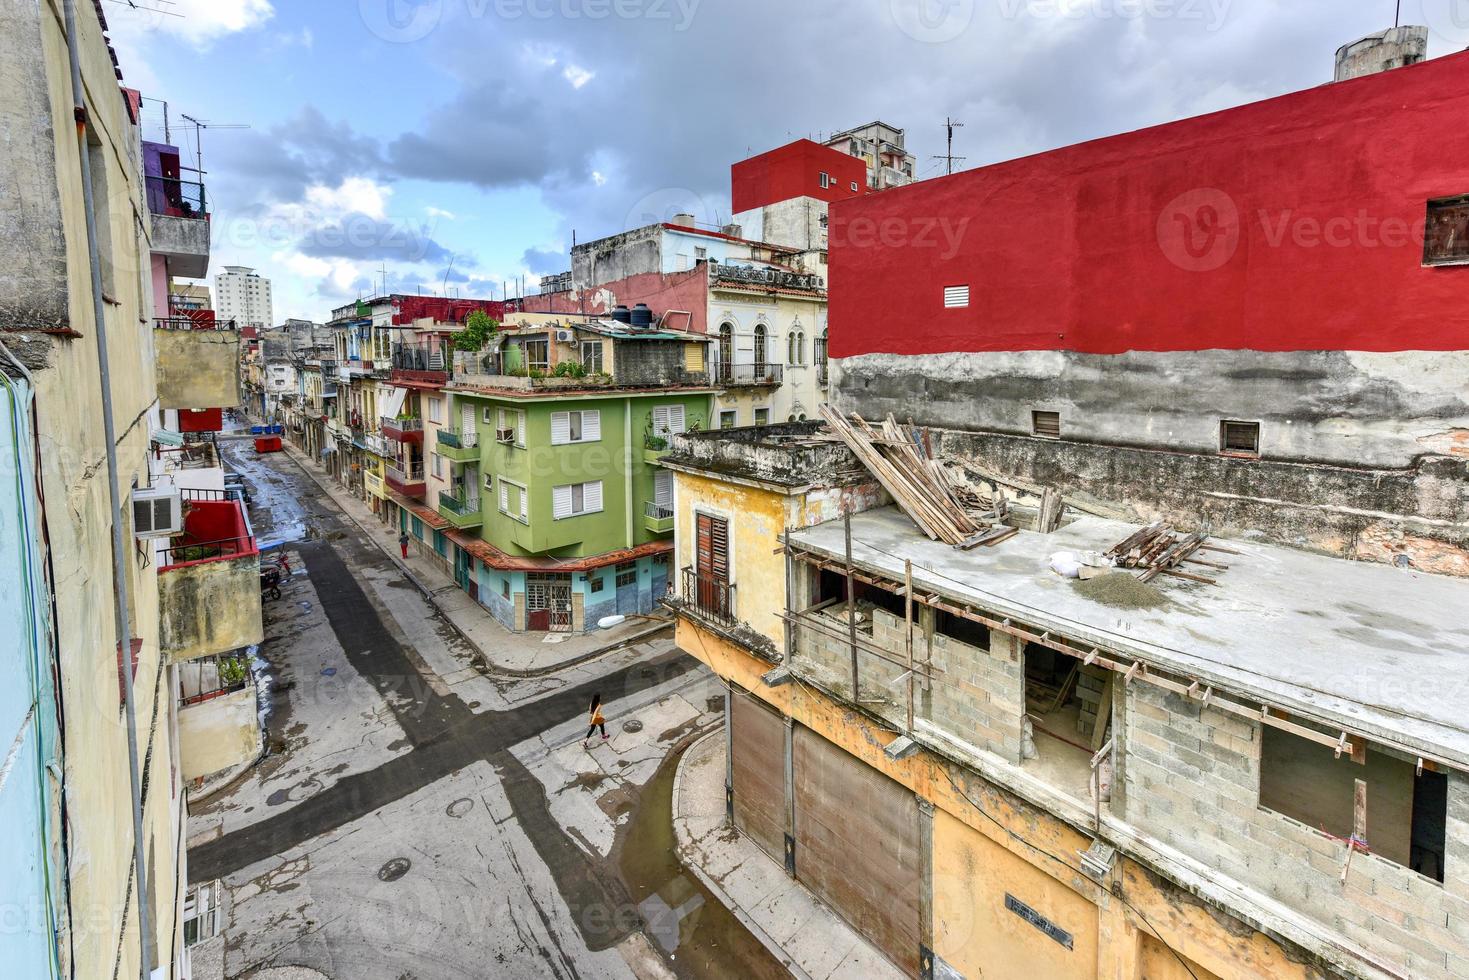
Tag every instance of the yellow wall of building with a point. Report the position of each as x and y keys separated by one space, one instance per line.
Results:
x=79 y=517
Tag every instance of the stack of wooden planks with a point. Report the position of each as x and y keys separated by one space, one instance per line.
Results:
x=902 y=461
x=1158 y=550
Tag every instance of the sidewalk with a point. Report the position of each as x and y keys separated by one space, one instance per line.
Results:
x=777 y=909
x=503 y=651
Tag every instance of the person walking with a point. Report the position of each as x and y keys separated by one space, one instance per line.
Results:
x=403 y=543
x=598 y=720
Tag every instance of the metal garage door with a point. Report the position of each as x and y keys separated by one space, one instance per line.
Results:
x=759 y=772
x=857 y=845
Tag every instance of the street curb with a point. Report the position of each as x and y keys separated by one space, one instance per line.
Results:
x=768 y=941
x=296 y=457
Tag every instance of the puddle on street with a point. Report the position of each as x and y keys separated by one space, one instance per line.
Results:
x=698 y=936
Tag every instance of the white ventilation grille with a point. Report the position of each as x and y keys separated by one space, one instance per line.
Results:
x=956 y=297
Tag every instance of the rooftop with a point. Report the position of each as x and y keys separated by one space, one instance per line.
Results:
x=1372 y=648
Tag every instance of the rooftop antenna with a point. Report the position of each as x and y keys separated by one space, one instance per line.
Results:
x=199 y=126
x=950 y=125
x=1398 y=20
x=446 y=275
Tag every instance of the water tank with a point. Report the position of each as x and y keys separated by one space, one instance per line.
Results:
x=642 y=316
x=621 y=314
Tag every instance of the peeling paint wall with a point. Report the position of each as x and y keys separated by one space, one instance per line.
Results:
x=210 y=607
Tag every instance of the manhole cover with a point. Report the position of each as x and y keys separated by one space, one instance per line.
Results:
x=632 y=726
x=459 y=808
x=394 y=869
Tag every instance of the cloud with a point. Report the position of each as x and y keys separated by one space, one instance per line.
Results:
x=434 y=212
x=198 y=22
x=577 y=76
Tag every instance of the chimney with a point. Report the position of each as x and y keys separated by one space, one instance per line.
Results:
x=1396 y=47
x=733 y=231
x=683 y=220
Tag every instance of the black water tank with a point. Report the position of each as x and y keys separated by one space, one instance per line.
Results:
x=642 y=316
x=620 y=314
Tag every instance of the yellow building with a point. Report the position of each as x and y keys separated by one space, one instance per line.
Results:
x=1152 y=816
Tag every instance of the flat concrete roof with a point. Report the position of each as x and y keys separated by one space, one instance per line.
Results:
x=1379 y=650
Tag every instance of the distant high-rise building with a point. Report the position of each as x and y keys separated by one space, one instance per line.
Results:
x=880 y=146
x=243 y=295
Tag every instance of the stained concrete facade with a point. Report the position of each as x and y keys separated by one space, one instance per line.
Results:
x=219 y=734
x=1397 y=47
x=198 y=368
x=1361 y=455
x=47 y=317
x=209 y=607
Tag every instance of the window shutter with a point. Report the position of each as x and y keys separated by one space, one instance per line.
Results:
x=663 y=488
x=592 y=497
x=524 y=505
x=504 y=497
x=520 y=428
x=956 y=297
x=675 y=418
x=591 y=426
x=560 y=428
x=660 y=419
x=561 y=502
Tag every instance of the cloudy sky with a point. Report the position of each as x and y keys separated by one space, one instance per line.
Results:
x=464 y=142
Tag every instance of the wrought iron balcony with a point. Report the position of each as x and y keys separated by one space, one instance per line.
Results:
x=407 y=480
x=460 y=509
x=748 y=375
x=461 y=446
x=403 y=430
x=708 y=598
x=658 y=518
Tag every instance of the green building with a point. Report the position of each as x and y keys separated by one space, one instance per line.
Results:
x=558 y=512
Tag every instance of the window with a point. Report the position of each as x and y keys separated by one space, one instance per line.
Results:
x=700 y=254
x=824 y=180
x=537 y=355
x=1239 y=438
x=581 y=426
x=201 y=913
x=727 y=419
x=1447 y=238
x=1406 y=809
x=693 y=358
x=595 y=584
x=436 y=410
x=760 y=352
x=791 y=348
x=624 y=579
x=591 y=356
x=438 y=466
x=504 y=588
x=490 y=482
x=1047 y=425
x=762 y=416
x=514 y=501
x=575 y=499
x=668 y=419
x=511 y=420
x=854 y=187
x=956 y=297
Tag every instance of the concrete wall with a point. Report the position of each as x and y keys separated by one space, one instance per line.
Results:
x=1383 y=51
x=198 y=368
x=45 y=170
x=1193 y=779
x=210 y=607
x=219 y=734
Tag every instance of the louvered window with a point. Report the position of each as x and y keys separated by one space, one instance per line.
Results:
x=1047 y=425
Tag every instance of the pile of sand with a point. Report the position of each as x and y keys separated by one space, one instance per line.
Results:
x=1121 y=590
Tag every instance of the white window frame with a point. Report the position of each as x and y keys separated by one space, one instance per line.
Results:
x=824 y=180
x=563 y=499
x=956 y=297
x=504 y=502
x=586 y=420
x=669 y=427
x=436 y=410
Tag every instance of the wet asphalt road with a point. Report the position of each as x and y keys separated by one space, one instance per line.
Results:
x=445 y=735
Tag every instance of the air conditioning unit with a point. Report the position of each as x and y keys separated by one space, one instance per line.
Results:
x=505 y=435
x=565 y=336
x=158 y=512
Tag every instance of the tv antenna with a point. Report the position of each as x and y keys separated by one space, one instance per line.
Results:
x=950 y=125
x=199 y=126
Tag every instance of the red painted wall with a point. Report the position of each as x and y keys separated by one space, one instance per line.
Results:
x=201 y=420
x=687 y=291
x=1290 y=224
x=443 y=310
x=794 y=170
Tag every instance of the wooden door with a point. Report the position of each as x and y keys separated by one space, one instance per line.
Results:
x=712 y=570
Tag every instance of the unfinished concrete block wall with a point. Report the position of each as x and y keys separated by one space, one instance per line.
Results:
x=979 y=697
x=1193 y=782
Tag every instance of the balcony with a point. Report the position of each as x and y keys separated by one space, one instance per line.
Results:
x=407 y=480
x=180 y=225
x=747 y=375
x=209 y=581
x=654 y=446
x=403 y=430
x=219 y=720
x=460 y=509
x=658 y=518
x=823 y=374
x=375 y=485
x=424 y=365
x=197 y=362
x=709 y=599
x=459 y=446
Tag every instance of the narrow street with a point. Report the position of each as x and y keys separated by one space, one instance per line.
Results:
x=416 y=817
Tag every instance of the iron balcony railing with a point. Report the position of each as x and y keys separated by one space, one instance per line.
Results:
x=400 y=425
x=748 y=374
x=657 y=511
x=199 y=320
x=708 y=597
x=409 y=357
x=459 y=503
x=412 y=473
x=823 y=374
x=459 y=439
x=177 y=198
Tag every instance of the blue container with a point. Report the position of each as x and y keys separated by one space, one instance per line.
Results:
x=256 y=430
